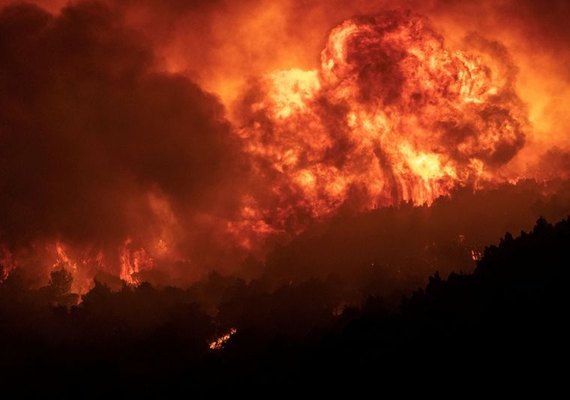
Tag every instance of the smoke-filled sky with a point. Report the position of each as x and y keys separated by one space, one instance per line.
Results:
x=183 y=135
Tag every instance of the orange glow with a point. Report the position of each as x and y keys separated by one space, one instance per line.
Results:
x=133 y=261
x=218 y=343
x=292 y=90
x=390 y=116
x=80 y=264
x=476 y=255
x=63 y=260
x=325 y=112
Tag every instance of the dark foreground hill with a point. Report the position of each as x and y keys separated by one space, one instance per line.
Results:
x=507 y=318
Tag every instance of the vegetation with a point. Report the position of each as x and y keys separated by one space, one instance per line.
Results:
x=510 y=313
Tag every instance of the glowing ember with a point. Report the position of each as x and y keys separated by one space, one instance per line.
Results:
x=219 y=343
x=476 y=255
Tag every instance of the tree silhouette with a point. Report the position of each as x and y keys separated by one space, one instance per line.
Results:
x=509 y=314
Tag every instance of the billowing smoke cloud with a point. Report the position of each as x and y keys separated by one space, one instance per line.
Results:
x=392 y=115
x=114 y=155
x=98 y=151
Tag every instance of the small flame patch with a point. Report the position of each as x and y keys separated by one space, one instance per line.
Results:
x=218 y=343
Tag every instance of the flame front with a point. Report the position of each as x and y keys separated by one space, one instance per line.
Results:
x=390 y=116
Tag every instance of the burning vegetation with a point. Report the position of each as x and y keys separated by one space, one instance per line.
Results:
x=203 y=192
x=168 y=183
x=391 y=116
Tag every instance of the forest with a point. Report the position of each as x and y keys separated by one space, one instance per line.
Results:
x=508 y=314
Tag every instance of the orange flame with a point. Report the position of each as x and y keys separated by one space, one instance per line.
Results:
x=218 y=343
x=134 y=261
x=390 y=116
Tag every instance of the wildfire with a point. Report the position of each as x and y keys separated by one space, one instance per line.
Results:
x=476 y=255
x=80 y=264
x=390 y=116
x=219 y=343
x=134 y=260
x=63 y=259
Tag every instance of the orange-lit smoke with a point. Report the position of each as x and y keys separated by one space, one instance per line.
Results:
x=175 y=137
x=392 y=115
